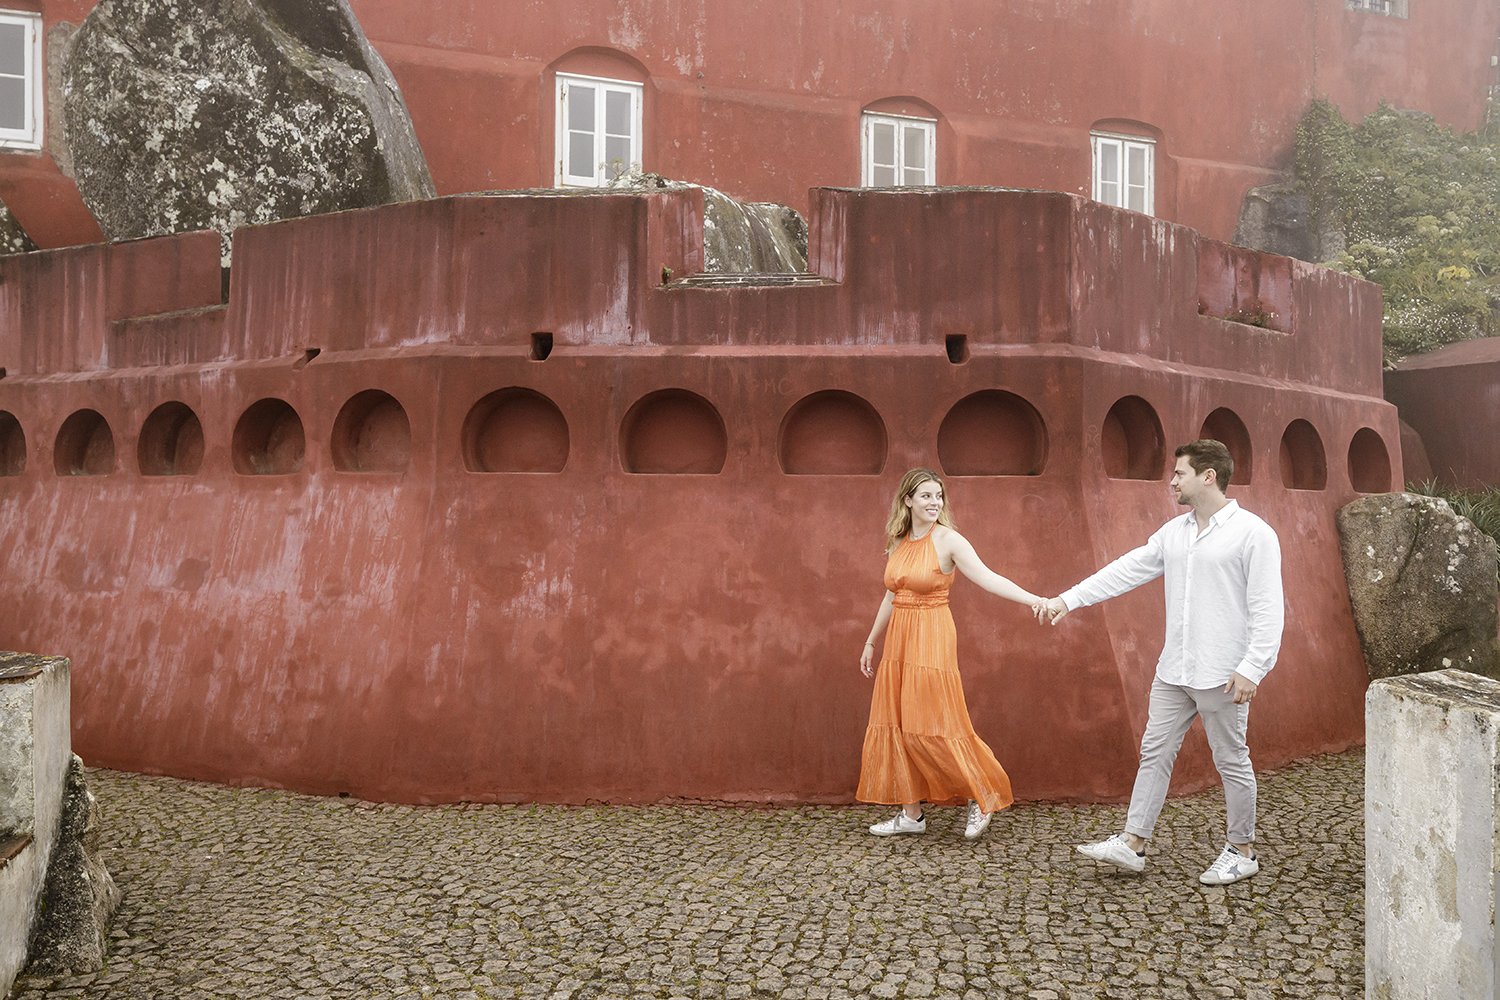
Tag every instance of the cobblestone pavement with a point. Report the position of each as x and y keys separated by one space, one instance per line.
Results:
x=248 y=893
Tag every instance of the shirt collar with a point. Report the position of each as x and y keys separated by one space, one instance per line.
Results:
x=1223 y=514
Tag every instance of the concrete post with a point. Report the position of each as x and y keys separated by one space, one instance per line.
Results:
x=35 y=748
x=1432 y=831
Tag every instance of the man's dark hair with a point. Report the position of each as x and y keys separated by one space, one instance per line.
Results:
x=1205 y=454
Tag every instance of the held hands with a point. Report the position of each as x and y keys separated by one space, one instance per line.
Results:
x=1242 y=689
x=1050 y=611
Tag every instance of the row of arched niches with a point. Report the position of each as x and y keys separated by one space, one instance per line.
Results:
x=674 y=431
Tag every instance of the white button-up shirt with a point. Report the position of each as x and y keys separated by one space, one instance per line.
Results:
x=1224 y=601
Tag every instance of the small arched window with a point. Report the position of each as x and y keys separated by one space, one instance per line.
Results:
x=599 y=113
x=898 y=144
x=1124 y=169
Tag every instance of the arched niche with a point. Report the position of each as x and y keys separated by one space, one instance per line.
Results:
x=371 y=434
x=515 y=430
x=992 y=433
x=268 y=440
x=1224 y=426
x=673 y=432
x=1369 y=462
x=171 y=442
x=85 y=446
x=1304 y=466
x=832 y=433
x=1131 y=441
x=12 y=445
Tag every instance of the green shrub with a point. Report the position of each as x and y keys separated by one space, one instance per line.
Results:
x=1419 y=207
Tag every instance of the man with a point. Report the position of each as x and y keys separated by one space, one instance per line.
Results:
x=1222 y=569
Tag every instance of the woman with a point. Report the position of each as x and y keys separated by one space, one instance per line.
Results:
x=920 y=745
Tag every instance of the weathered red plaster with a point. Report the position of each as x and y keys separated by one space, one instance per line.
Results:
x=762 y=98
x=1451 y=398
x=425 y=632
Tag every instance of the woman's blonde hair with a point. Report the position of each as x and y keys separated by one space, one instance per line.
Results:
x=899 y=524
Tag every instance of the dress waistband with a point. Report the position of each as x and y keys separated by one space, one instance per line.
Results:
x=919 y=601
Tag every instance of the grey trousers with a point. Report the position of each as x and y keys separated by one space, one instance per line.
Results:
x=1172 y=710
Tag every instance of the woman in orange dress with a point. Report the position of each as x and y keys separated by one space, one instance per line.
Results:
x=920 y=745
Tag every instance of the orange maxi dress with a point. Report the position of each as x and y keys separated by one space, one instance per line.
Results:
x=920 y=745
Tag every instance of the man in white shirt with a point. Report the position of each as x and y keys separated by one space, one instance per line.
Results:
x=1222 y=569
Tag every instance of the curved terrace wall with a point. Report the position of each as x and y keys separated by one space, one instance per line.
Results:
x=340 y=590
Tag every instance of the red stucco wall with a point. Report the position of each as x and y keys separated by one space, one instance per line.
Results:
x=1451 y=398
x=430 y=632
x=762 y=98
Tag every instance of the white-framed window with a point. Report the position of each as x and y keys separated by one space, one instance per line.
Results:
x=1125 y=171
x=898 y=151
x=1391 y=8
x=20 y=80
x=598 y=129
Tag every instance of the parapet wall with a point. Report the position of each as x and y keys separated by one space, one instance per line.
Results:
x=493 y=498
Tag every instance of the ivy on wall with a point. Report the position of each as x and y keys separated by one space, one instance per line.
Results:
x=1419 y=209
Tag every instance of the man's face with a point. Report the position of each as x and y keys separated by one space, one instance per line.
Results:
x=1188 y=487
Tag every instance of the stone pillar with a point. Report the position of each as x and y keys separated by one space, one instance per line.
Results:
x=35 y=750
x=1432 y=830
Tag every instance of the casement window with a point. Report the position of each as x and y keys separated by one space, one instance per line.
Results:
x=898 y=151
x=1391 y=8
x=598 y=129
x=20 y=80
x=1125 y=171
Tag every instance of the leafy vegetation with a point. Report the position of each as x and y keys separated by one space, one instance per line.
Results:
x=1482 y=507
x=1419 y=207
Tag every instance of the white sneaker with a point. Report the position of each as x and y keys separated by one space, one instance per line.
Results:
x=899 y=824
x=978 y=822
x=1230 y=867
x=1115 y=851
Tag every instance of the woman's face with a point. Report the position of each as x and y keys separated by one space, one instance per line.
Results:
x=926 y=503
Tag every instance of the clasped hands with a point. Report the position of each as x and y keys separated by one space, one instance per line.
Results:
x=1050 y=611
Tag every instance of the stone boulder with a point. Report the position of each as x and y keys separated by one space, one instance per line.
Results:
x=1276 y=218
x=212 y=114
x=13 y=239
x=80 y=898
x=1422 y=583
x=739 y=237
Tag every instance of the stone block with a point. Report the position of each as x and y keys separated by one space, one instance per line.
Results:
x=35 y=751
x=1432 y=830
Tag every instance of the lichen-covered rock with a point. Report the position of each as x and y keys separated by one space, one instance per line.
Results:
x=80 y=897
x=739 y=237
x=1276 y=218
x=1422 y=584
x=211 y=114
x=13 y=239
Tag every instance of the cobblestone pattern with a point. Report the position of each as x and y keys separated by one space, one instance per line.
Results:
x=249 y=893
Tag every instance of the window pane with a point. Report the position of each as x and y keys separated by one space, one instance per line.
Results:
x=580 y=154
x=883 y=176
x=883 y=146
x=616 y=156
x=1135 y=198
x=1109 y=163
x=1109 y=193
x=914 y=176
x=13 y=49
x=915 y=137
x=1135 y=164
x=616 y=112
x=12 y=103
x=580 y=107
